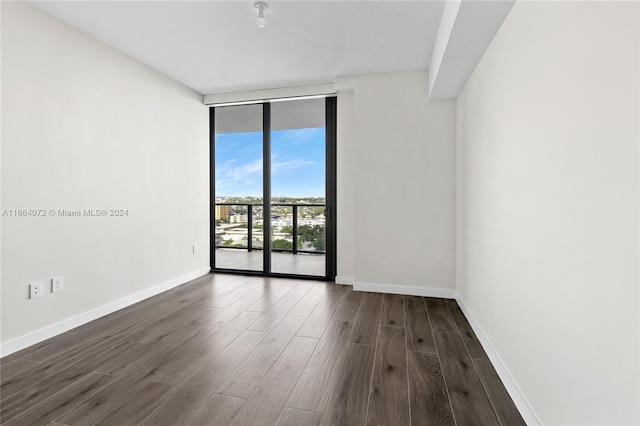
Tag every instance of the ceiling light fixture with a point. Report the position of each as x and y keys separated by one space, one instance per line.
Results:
x=262 y=8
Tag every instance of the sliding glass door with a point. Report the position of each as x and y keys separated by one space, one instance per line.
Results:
x=273 y=188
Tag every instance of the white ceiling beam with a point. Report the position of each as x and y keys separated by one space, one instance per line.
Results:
x=466 y=30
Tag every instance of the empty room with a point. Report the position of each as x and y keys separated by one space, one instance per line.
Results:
x=320 y=213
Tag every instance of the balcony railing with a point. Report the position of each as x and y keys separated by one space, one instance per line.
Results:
x=246 y=214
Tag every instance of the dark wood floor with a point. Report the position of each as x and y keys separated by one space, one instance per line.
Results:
x=236 y=350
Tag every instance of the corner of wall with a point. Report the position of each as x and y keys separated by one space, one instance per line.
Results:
x=526 y=410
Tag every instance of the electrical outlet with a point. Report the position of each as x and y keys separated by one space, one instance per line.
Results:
x=56 y=284
x=35 y=289
x=195 y=248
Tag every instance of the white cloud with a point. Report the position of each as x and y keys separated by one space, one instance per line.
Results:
x=299 y=136
x=230 y=175
x=285 y=167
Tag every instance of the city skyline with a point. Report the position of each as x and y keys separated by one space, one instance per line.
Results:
x=297 y=163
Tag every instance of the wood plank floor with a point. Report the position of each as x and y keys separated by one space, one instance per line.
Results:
x=235 y=350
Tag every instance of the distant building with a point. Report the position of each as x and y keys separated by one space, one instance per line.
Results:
x=238 y=218
x=222 y=212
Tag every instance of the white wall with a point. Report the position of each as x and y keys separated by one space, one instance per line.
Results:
x=396 y=184
x=548 y=212
x=85 y=127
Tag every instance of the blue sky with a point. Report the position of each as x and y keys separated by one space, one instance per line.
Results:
x=297 y=163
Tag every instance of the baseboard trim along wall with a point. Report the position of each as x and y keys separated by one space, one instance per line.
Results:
x=344 y=280
x=408 y=290
x=38 y=336
x=514 y=391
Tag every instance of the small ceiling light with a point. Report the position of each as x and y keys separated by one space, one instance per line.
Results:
x=262 y=8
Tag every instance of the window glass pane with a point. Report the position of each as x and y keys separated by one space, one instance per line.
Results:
x=298 y=187
x=238 y=187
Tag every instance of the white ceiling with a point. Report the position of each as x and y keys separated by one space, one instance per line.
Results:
x=216 y=46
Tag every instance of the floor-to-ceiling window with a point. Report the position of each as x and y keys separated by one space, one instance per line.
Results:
x=273 y=188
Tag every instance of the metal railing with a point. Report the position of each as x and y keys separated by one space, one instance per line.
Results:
x=295 y=207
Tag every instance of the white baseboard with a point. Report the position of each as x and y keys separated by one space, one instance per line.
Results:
x=518 y=398
x=344 y=280
x=406 y=289
x=14 y=345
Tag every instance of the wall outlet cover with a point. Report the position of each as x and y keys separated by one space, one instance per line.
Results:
x=56 y=284
x=35 y=289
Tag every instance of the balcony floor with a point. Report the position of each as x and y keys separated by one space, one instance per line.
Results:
x=283 y=263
